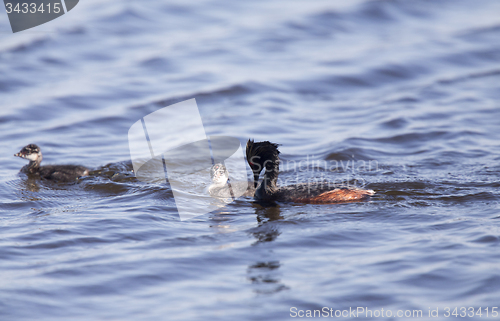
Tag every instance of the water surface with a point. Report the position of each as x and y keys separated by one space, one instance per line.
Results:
x=410 y=87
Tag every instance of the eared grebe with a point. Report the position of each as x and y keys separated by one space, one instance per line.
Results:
x=220 y=188
x=60 y=173
x=265 y=155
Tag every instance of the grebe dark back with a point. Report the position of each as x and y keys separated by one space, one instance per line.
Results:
x=265 y=155
x=60 y=173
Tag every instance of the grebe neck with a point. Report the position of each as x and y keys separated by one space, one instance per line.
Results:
x=270 y=180
x=32 y=167
x=34 y=164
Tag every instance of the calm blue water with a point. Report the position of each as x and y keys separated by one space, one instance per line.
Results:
x=410 y=87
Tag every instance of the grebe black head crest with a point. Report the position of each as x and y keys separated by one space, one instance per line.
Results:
x=31 y=152
x=259 y=154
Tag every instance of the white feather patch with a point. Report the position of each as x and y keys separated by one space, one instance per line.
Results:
x=32 y=157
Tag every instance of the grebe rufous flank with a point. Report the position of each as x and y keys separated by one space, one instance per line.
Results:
x=265 y=155
x=60 y=173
